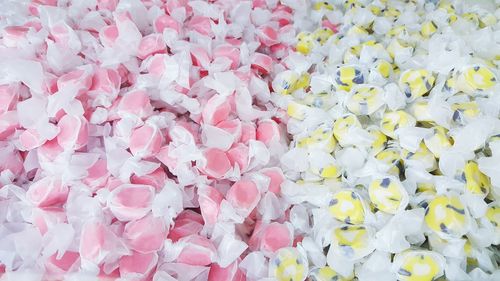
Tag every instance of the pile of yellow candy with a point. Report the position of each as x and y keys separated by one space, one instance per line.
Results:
x=398 y=115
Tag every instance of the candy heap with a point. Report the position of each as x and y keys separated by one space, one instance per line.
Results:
x=249 y=140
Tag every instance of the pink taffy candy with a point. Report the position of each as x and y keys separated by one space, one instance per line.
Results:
x=201 y=25
x=43 y=218
x=209 y=199
x=105 y=81
x=145 y=235
x=145 y=141
x=73 y=132
x=166 y=21
x=216 y=110
x=163 y=156
x=268 y=131
x=137 y=266
x=200 y=56
x=217 y=163
x=230 y=52
x=49 y=150
x=274 y=237
x=155 y=179
x=229 y=273
x=186 y=223
x=282 y=14
x=108 y=35
x=13 y=35
x=151 y=44
x=248 y=132
x=238 y=155
x=80 y=80
x=97 y=175
x=243 y=194
x=233 y=127
x=11 y=159
x=198 y=251
x=276 y=177
x=262 y=63
x=107 y=4
x=9 y=95
x=30 y=139
x=130 y=201
x=92 y=241
x=267 y=35
x=136 y=103
x=48 y=191
x=8 y=124
x=56 y=268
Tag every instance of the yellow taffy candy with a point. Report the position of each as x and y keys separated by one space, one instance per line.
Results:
x=487 y=19
x=320 y=5
x=326 y=273
x=379 y=140
x=351 y=242
x=305 y=43
x=347 y=206
x=420 y=110
x=479 y=78
x=472 y=18
x=398 y=45
x=321 y=35
x=288 y=265
x=297 y=110
x=415 y=83
x=341 y=128
x=464 y=110
x=321 y=138
x=428 y=28
x=392 y=158
x=284 y=82
x=493 y=216
x=418 y=265
x=446 y=215
x=475 y=181
x=393 y=120
x=365 y=100
x=439 y=141
x=346 y=76
x=388 y=195
x=324 y=101
x=384 y=68
x=423 y=155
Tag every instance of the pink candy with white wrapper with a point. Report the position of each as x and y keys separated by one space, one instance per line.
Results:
x=141 y=140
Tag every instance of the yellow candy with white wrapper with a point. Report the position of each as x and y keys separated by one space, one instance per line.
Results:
x=347 y=206
x=392 y=121
x=447 y=216
x=388 y=195
x=351 y=242
x=409 y=91
x=327 y=274
x=365 y=100
x=418 y=265
x=475 y=79
x=416 y=82
x=288 y=265
x=342 y=126
x=347 y=76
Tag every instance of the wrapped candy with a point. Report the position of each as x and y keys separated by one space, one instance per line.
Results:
x=249 y=140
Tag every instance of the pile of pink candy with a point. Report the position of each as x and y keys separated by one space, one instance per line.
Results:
x=139 y=140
